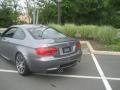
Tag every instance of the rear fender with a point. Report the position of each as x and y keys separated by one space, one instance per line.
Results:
x=26 y=52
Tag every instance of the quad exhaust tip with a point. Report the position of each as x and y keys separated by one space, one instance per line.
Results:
x=60 y=70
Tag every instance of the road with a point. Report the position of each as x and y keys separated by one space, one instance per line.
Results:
x=94 y=72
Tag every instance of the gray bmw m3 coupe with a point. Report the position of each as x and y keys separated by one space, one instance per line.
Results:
x=38 y=48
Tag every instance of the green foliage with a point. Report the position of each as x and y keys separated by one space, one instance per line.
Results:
x=68 y=29
x=88 y=31
x=47 y=11
x=8 y=13
x=106 y=34
x=114 y=47
x=5 y=19
x=79 y=12
x=97 y=12
x=103 y=34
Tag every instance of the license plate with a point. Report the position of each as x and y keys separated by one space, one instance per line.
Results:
x=66 y=50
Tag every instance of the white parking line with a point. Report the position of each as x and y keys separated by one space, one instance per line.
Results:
x=106 y=83
x=61 y=75
x=111 y=78
x=104 y=79
x=10 y=71
x=57 y=75
x=70 y=76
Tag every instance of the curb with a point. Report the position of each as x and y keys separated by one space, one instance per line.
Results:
x=99 y=52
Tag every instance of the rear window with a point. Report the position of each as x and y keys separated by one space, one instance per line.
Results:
x=52 y=33
x=46 y=33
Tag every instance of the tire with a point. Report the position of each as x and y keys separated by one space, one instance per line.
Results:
x=21 y=65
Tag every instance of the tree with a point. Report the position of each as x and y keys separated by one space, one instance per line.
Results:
x=8 y=12
x=73 y=11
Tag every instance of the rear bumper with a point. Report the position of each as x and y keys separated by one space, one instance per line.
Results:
x=51 y=63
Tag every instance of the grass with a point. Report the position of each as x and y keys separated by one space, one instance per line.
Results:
x=106 y=34
x=87 y=31
x=103 y=34
x=114 y=47
x=68 y=29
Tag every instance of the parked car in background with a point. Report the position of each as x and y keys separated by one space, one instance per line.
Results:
x=38 y=48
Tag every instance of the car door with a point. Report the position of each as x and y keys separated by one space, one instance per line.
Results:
x=4 y=42
x=1 y=49
x=15 y=42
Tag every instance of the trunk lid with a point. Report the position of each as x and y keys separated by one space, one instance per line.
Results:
x=65 y=46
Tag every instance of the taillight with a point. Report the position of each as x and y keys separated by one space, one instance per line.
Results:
x=78 y=44
x=45 y=51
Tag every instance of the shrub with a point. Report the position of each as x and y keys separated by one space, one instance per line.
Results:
x=87 y=31
x=114 y=47
x=56 y=26
x=106 y=34
x=68 y=29
x=103 y=34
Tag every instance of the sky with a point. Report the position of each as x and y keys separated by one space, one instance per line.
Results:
x=22 y=3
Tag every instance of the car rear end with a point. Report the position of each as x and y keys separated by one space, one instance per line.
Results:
x=55 y=50
x=56 y=56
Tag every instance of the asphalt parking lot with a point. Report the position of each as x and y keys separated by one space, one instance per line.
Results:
x=94 y=72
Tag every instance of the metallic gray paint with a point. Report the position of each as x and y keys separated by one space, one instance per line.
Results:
x=9 y=47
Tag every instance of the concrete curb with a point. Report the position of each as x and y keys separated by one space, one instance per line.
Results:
x=99 y=52
x=2 y=29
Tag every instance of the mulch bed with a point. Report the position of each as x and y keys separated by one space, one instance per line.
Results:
x=98 y=46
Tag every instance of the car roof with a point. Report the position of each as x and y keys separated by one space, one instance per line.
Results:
x=25 y=26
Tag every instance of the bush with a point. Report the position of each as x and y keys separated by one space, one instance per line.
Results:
x=114 y=47
x=68 y=29
x=106 y=34
x=87 y=31
x=103 y=34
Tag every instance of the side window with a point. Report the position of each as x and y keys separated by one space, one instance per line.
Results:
x=19 y=34
x=10 y=33
x=36 y=32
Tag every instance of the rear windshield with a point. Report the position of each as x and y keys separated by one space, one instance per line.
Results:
x=52 y=33
x=46 y=33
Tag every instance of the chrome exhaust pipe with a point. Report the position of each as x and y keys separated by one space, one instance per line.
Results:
x=60 y=70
